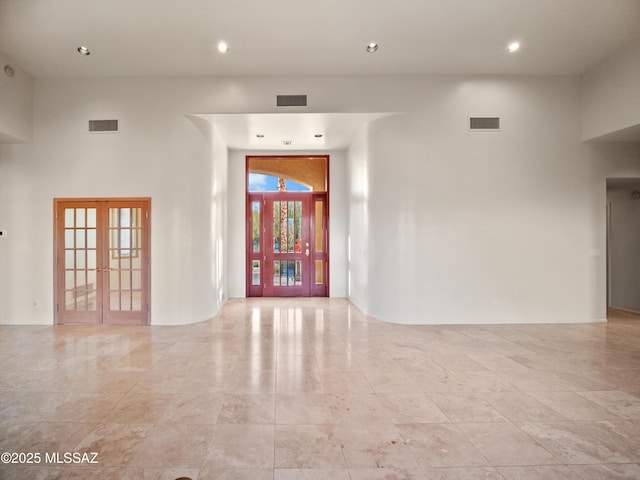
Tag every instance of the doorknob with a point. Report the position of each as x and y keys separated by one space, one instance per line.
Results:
x=306 y=252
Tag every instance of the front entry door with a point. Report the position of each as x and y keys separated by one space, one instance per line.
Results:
x=286 y=245
x=102 y=261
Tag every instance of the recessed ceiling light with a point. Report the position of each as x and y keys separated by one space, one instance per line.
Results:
x=513 y=47
x=259 y=135
x=318 y=135
x=223 y=47
x=84 y=50
x=372 y=47
x=9 y=71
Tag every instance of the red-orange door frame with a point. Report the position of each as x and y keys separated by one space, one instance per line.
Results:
x=258 y=277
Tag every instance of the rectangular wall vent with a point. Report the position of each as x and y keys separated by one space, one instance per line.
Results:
x=103 y=126
x=484 y=123
x=292 y=100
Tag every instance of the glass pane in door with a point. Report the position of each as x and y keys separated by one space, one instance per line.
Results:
x=255 y=272
x=283 y=226
x=319 y=227
x=125 y=266
x=287 y=239
x=276 y=227
x=319 y=272
x=79 y=259
x=255 y=226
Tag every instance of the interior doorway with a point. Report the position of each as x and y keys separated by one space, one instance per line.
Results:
x=101 y=249
x=287 y=225
x=623 y=245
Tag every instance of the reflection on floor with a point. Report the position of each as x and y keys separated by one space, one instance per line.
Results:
x=313 y=389
x=119 y=301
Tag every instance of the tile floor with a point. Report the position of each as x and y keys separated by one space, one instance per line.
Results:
x=313 y=389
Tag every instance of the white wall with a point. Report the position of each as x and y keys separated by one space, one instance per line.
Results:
x=446 y=225
x=468 y=227
x=16 y=94
x=337 y=223
x=160 y=152
x=624 y=245
x=358 y=233
x=611 y=94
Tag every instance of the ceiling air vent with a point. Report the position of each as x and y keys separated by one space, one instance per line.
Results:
x=291 y=100
x=484 y=123
x=103 y=126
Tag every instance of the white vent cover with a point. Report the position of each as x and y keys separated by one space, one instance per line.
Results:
x=103 y=126
x=484 y=123
x=291 y=100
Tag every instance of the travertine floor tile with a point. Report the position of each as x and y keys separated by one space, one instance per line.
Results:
x=105 y=473
x=476 y=473
x=608 y=472
x=412 y=408
x=209 y=473
x=248 y=409
x=572 y=444
x=573 y=406
x=140 y=408
x=32 y=472
x=466 y=408
x=310 y=474
x=170 y=473
x=174 y=445
x=116 y=444
x=505 y=444
x=385 y=474
x=303 y=409
x=240 y=447
x=356 y=408
x=620 y=403
x=192 y=408
x=440 y=445
x=375 y=446
x=519 y=406
x=550 y=472
x=308 y=447
x=309 y=389
x=346 y=382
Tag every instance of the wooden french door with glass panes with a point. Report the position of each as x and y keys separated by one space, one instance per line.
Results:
x=102 y=261
x=287 y=248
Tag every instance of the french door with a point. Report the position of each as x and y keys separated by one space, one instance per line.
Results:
x=102 y=261
x=287 y=245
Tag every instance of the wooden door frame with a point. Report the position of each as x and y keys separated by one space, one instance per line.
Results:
x=248 y=219
x=146 y=277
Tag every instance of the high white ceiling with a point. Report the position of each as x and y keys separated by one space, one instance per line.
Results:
x=304 y=37
x=337 y=130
